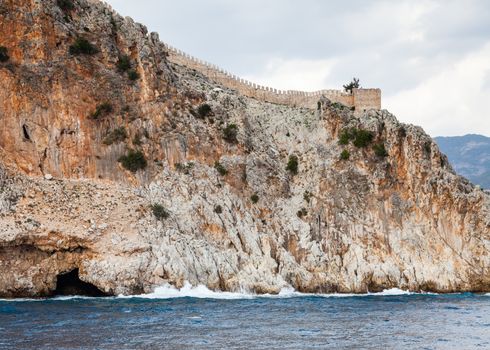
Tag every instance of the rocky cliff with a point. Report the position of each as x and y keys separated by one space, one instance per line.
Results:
x=137 y=172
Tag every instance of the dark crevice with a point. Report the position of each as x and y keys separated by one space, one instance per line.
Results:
x=71 y=284
x=25 y=131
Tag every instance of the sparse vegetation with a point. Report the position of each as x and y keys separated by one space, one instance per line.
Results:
x=220 y=168
x=204 y=110
x=137 y=140
x=133 y=75
x=302 y=213
x=116 y=136
x=380 y=150
x=124 y=63
x=184 y=168
x=65 y=5
x=218 y=209
x=101 y=111
x=362 y=138
x=345 y=155
x=133 y=161
x=160 y=212
x=254 y=198
x=230 y=133
x=344 y=137
x=293 y=164
x=307 y=196
x=428 y=147
x=354 y=84
x=82 y=46
x=4 y=57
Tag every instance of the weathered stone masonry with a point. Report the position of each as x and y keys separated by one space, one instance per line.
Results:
x=361 y=99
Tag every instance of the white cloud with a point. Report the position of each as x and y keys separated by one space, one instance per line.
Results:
x=303 y=75
x=452 y=102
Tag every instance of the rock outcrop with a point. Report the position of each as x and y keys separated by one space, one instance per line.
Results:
x=217 y=203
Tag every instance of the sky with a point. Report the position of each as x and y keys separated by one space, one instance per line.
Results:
x=431 y=58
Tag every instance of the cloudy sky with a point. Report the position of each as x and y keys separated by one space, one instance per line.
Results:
x=431 y=58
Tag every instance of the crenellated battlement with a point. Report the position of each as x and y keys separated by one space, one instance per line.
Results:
x=359 y=99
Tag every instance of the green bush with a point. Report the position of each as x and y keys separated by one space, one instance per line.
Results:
x=204 y=110
x=344 y=137
x=218 y=209
x=116 y=136
x=124 y=63
x=302 y=213
x=230 y=133
x=133 y=75
x=66 y=5
x=133 y=161
x=4 y=57
x=428 y=147
x=82 y=46
x=293 y=164
x=380 y=150
x=345 y=155
x=362 y=138
x=254 y=198
x=102 y=110
x=159 y=212
x=220 y=168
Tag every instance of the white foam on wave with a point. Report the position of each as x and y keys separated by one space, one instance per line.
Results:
x=202 y=292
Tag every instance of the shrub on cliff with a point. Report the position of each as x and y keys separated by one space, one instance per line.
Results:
x=133 y=75
x=204 y=110
x=82 y=46
x=380 y=150
x=344 y=137
x=116 y=136
x=345 y=155
x=230 y=133
x=101 y=111
x=124 y=63
x=159 y=212
x=302 y=213
x=220 y=168
x=362 y=138
x=254 y=198
x=65 y=5
x=218 y=209
x=4 y=57
x=293 y=164
x=133 y=161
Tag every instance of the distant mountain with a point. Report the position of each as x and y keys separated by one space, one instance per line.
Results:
x=469 y=155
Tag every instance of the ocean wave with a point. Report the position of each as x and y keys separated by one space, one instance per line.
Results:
x=202 y=292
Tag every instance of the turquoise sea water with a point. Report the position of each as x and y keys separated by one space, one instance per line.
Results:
x=200 y=319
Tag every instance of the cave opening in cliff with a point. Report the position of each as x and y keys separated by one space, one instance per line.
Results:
x=71 y=284
x=25 y=130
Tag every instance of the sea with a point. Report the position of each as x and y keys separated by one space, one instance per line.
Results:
x=197 y=318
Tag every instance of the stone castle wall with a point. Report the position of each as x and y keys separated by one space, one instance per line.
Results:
x=361 y=99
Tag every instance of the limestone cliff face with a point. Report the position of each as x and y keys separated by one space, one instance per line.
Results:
x=396 y=216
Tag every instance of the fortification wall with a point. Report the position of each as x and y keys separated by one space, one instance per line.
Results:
x=360 y=99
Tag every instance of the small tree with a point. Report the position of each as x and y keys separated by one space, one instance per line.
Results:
x=204 y=110
x=254 y=198
x=293 y=164
x=4 y=57
x=218 y=209
x=133 y=75
x=354 y=84
x=362 y=138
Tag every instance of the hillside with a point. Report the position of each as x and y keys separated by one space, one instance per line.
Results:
x=135 y=171
x=470 y=156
